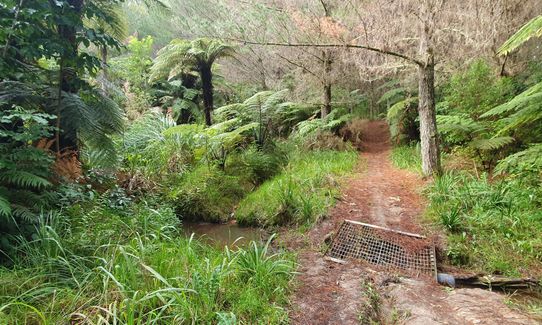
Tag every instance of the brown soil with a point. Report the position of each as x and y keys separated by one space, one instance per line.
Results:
x=331 y=293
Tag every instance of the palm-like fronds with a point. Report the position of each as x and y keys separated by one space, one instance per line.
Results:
x=89 y=117
x=524 y=109
x=392 y=96
x=181 y=56
x=462 y=129
x=532 y=29
x=111 y=20
x=528 y=160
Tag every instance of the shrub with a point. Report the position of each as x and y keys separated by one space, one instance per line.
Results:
x=353 y=131
x=325 y=140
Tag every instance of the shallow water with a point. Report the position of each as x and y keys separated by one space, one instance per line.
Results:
x=220 y=235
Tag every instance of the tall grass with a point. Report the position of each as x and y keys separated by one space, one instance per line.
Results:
x=492 y=226
x=407 y=157
x=301 y=193
x=152 y=277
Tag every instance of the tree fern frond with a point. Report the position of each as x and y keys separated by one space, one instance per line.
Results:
x=533 y=94
x=492 y=143
x=398 y=108
x=391 y=95
x=145 y=130
x=528 y=160
x=24 y=213
x=532 y=29
x=458 y=123
x=389 y=84
x=230 y=111
x=24 y=179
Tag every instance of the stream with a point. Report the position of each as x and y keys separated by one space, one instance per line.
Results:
x=220 y=235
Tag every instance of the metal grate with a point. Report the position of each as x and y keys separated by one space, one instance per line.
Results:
x=384 y=247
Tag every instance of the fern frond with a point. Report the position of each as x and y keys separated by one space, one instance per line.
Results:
x=389 y=84
x=492 y=143
x=532 y=29
x=458 y=123
x=533 y=94
x=398 y=108
x=5 y=207
x=24 y=179
x=528 y=160
x=391 y=95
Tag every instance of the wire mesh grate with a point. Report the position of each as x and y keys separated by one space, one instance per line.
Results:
x=383 y=247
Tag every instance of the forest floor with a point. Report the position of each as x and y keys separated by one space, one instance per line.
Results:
x=332 y=293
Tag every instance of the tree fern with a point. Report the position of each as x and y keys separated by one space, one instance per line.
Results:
x=521 y=111
x=494 y=143
x=401 y=118
x=392 y=96
x=23 y=178
x=532 y=29
x=525 y=161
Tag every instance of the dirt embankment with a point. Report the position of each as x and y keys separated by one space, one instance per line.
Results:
x=330 y=293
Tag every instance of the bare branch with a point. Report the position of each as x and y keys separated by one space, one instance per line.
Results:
x=346 y=45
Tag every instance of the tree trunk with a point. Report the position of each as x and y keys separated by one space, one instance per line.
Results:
x=326 y=95
x=428 y=124
x=68 y=73
x=326 y=100
x=426 y=94
x=207 y=89
x=103 y=53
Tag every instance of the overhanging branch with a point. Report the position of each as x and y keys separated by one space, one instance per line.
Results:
x=346 y=45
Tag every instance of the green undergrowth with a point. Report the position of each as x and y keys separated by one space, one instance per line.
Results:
x=301 y=193
x=407 y=157
x=492 y=226
x=207 y=194
x=133 y=266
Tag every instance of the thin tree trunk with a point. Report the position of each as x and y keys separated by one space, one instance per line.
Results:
x=428 y=125
x=326 y=98
x=207 y=89
x=326 y=95
x=103 y=52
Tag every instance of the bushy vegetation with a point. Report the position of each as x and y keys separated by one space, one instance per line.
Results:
x=301 y=193
x=491 y=224
x=95 y=264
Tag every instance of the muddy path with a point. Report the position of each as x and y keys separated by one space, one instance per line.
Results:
x=330 y=293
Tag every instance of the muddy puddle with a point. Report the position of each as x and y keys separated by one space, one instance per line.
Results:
x=220 y=235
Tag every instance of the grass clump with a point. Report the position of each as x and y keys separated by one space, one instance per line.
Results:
x=407 y=157
x=206 y=193
x=301 y=193
x=141 y=272
x=492 y=226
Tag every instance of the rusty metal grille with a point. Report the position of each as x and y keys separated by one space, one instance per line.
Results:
x=391 y=249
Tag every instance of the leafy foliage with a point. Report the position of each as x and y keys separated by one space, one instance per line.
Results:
x=24 y=172
x=532 y=29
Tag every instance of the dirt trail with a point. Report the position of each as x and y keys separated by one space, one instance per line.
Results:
x=330 y=293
